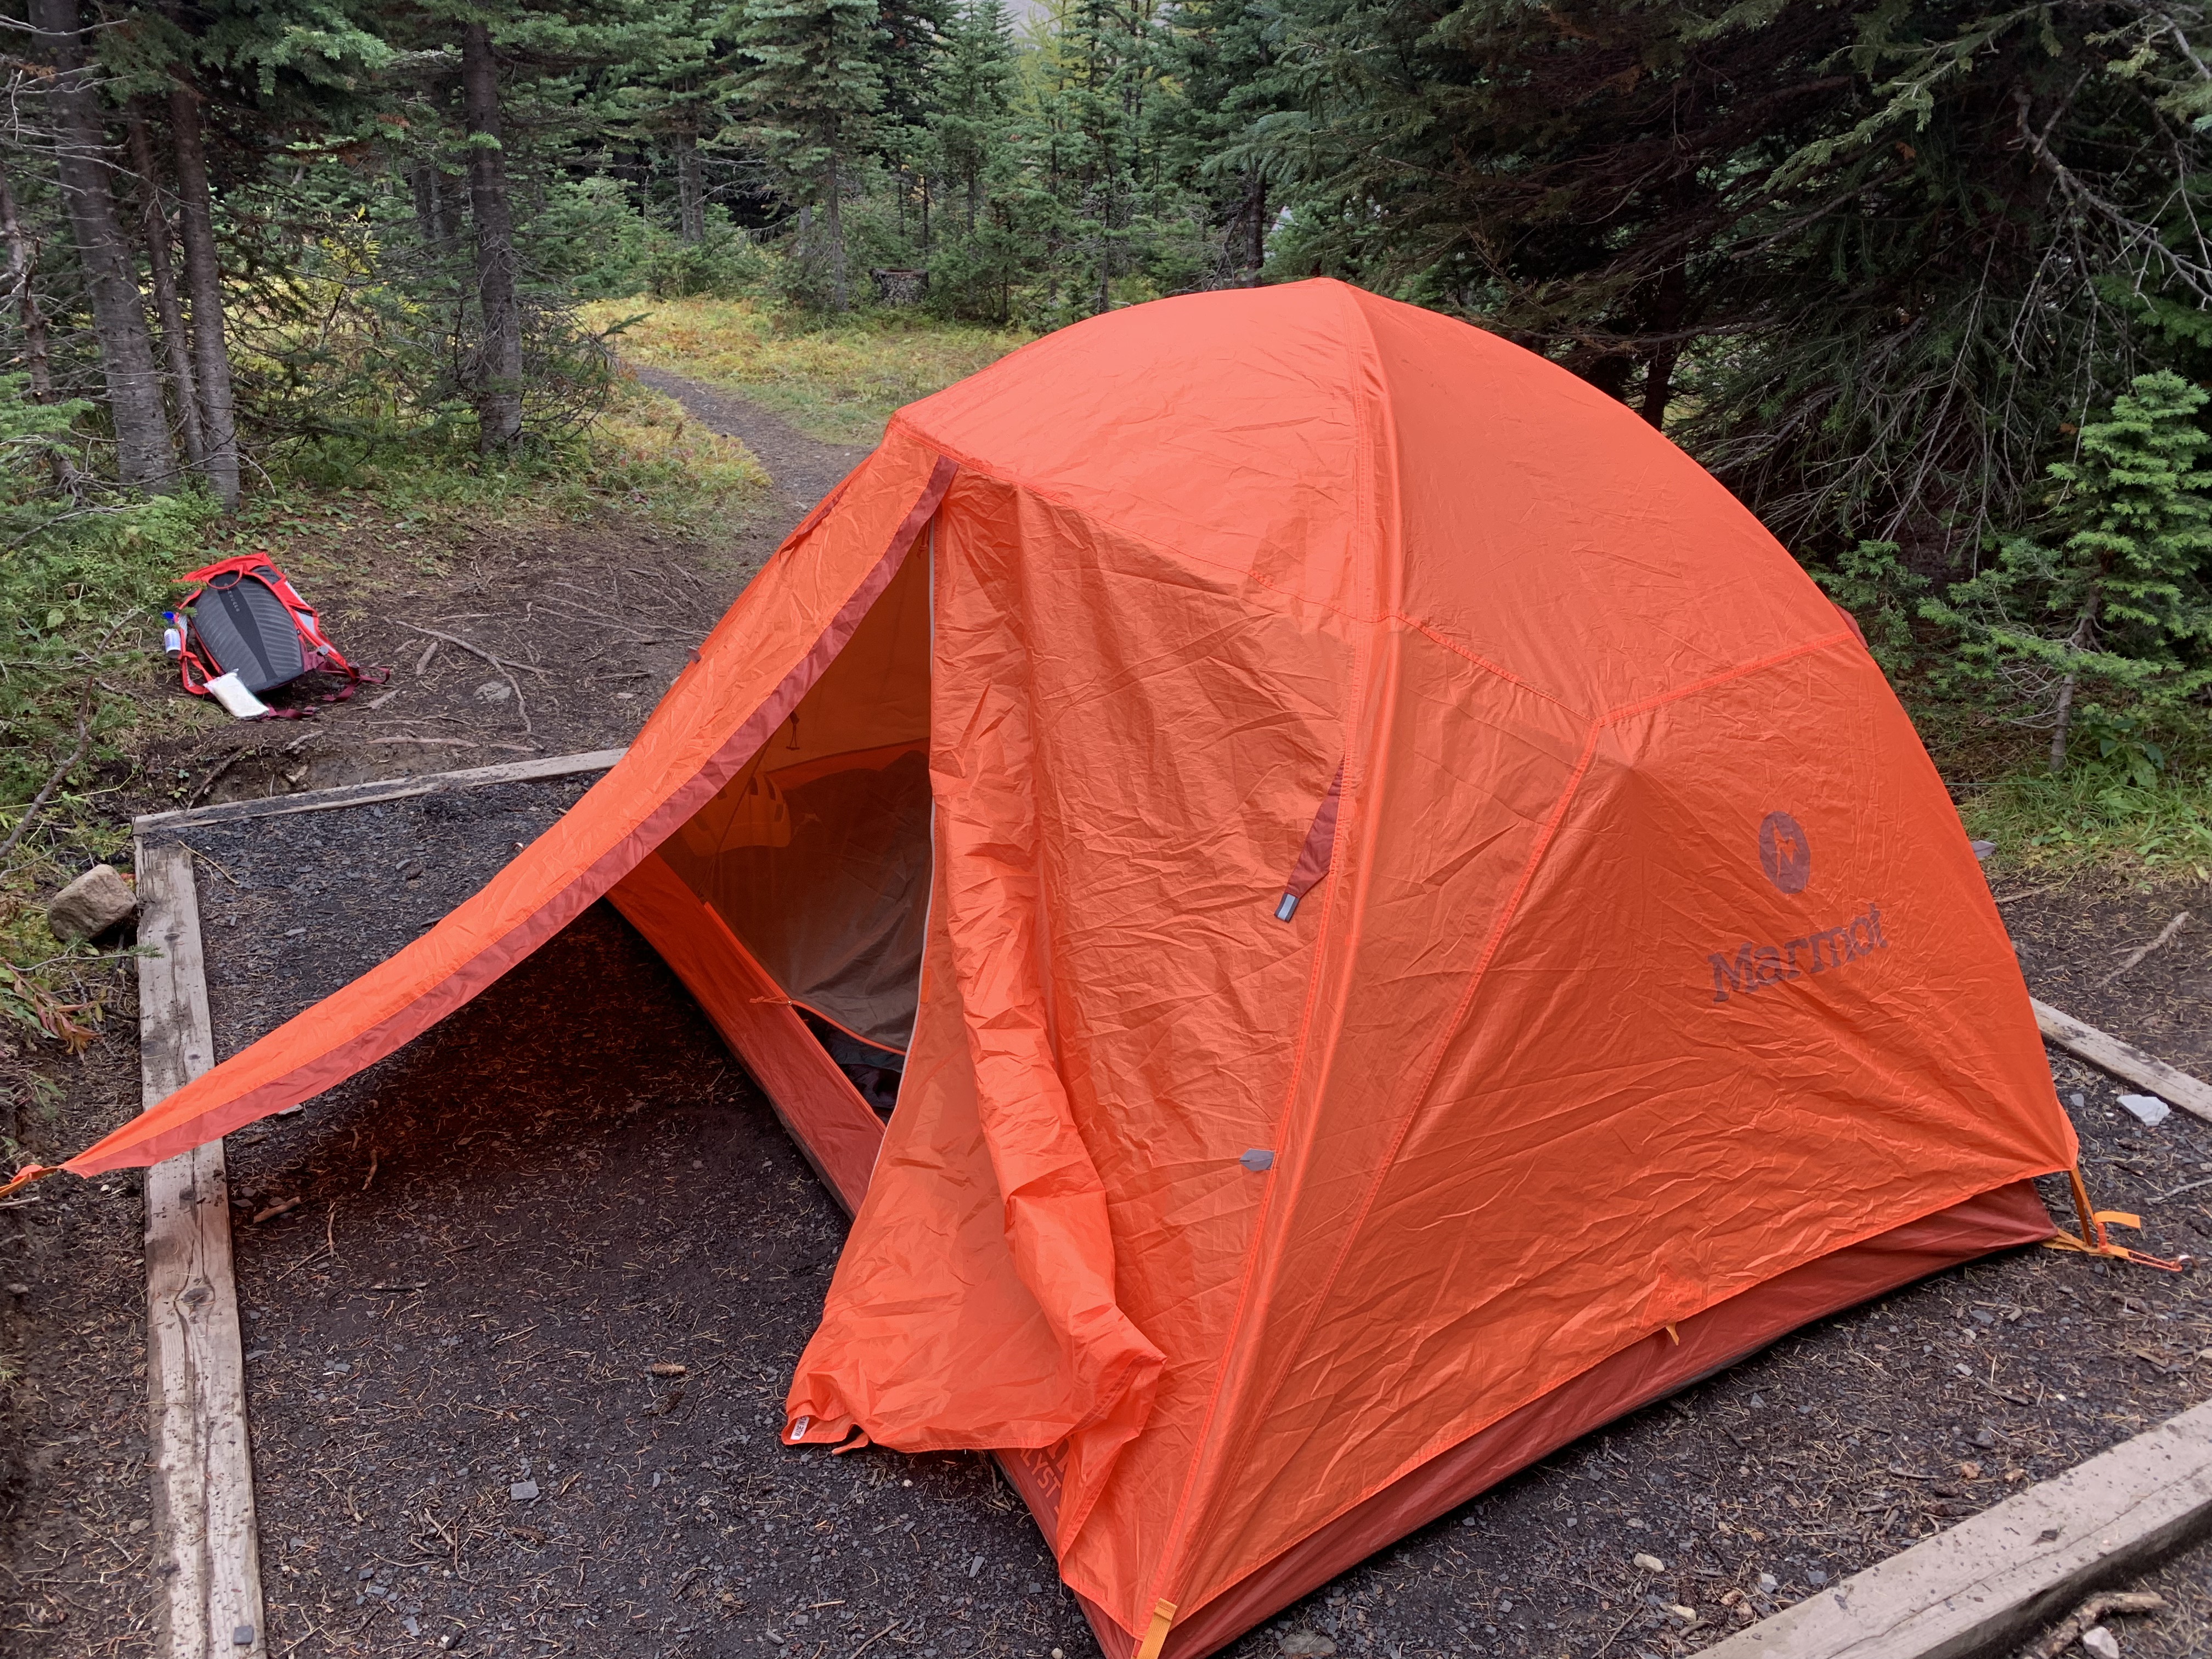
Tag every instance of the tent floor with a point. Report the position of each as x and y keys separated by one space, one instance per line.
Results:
x=501 y=1228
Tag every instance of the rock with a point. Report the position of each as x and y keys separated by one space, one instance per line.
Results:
x=1307 y=1645
x=1650 y=1563
x=91 y=904
x=493 y=691
x=1688 y=1615
x=1769 y=1583
x=1982 y=849
x=523 y=1491
x=2101 y=1642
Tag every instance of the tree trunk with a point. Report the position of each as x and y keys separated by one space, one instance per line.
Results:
x=143 y=455
x=153 y=226
x=839 y=300
x=22 y=267
x=37 y=364
x=1670 y=309
x=497 y=393
x=690 y=190
x=2084 y=634
x=2059 y=729
x=204 y=281
x=422 y=186
x=1255 y=250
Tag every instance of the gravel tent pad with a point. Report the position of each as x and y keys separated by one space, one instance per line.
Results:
x=474 y=1255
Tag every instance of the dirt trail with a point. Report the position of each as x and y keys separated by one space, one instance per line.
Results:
x=804 y=468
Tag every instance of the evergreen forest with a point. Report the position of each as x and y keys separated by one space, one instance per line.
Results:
x=1923 y=281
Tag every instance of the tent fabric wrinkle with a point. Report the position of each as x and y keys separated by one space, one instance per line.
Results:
x=1644 y=1000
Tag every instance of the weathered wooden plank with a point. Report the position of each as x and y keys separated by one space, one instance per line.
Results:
x=195 y=1371
x=2124 y=1059
x=369 y=794
x=1989 y=1584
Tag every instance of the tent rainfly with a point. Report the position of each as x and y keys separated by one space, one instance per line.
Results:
x=1412 y=926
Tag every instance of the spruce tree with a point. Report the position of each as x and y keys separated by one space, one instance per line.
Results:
x=808 y=91
x=2122 y=598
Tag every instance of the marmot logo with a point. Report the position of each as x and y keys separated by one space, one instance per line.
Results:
x=1757 y=966
x=1783 y=852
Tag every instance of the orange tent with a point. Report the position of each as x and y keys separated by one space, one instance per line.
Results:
x=1414 y=929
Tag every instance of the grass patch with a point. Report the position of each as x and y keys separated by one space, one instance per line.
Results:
x=835 y=379
x=643 y=454
x=2086 y=816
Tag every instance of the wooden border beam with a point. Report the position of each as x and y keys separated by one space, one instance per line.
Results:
x=2124 y=1059
x=368 y=794
x=195 y=1371
x=1989 y=1583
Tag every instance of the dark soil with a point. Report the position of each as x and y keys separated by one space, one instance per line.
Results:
x=2073 y=937
x=472 y=1258
x=607 y=610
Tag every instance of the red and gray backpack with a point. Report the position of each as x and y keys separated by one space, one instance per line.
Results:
x=246 y=618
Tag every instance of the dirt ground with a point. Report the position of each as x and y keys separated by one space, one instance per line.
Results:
x=459 y=1271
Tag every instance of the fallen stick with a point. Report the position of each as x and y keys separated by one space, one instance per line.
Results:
x=2124 y=1059
x=2068 y=1631
x=388 y=789
x=477 y=650
x=2137 y=955
x=83 y=743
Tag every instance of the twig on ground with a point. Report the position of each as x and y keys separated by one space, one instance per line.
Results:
x=477 y=650
x=506 y=669
x=2068 y=1631
x=212 y=865
x=423 y=664
x=207 y=782
x=2137 y=955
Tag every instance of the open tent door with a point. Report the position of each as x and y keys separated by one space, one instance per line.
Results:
x=802 y=887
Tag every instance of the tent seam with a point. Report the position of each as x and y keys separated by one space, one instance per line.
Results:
x=1644 y=706
x=1352 y=776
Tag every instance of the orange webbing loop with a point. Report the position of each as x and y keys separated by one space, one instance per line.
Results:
x=2094 y=1241
x=1156 y=1637
x=26 y=1174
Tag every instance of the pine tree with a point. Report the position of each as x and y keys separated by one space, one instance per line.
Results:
x=809 y=90
x=2124 y=598
x=1223 y=58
